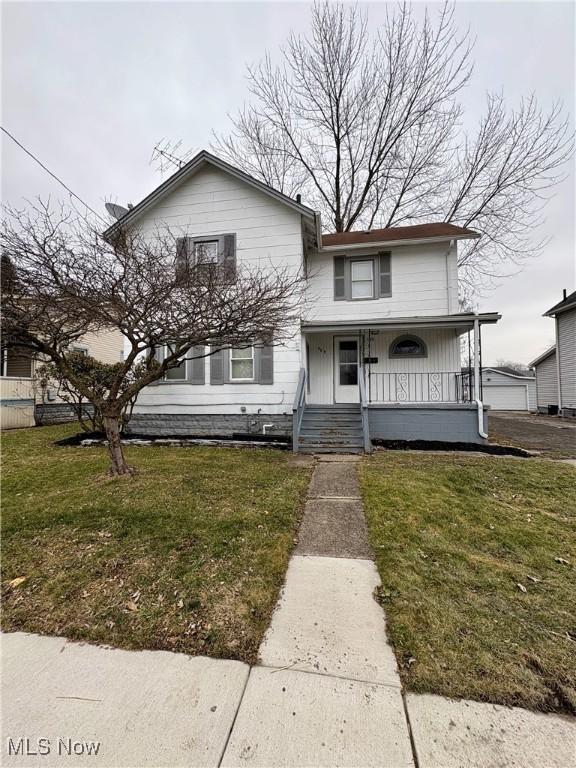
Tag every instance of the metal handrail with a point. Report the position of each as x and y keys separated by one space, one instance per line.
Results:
x=364 y=410
x=298 y=409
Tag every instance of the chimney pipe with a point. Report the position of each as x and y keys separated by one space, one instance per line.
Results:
x=564 y=294
x=299 y=199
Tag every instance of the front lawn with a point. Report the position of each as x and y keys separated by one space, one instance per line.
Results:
x=477 y=557
x=189 y=555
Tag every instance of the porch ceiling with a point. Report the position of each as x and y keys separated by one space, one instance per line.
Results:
x=463 y=321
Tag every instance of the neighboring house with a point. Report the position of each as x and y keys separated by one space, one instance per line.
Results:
x=556 y=368
x=27 y=400
x=376 y=353
x=546 y=372
x=504 y=389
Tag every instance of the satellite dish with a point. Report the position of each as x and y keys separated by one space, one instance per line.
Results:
x=117 y=211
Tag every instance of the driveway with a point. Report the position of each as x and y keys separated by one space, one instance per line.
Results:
x=549 y=435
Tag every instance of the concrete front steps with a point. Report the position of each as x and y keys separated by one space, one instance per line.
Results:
x=331 y=429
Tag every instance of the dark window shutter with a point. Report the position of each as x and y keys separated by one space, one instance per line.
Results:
x=217 y=372
x=385 y=282
x=264 y=364
x=228 y=256
x=182 y=255
x=196 y=366
x=339 y=278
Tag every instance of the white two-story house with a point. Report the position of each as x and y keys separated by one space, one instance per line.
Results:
x=378 y=350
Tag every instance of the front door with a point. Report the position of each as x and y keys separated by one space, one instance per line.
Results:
x=346 y=369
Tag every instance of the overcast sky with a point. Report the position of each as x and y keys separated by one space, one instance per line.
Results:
x=90 y=88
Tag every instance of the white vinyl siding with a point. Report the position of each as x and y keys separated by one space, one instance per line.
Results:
x=547 y=383
x=106 y=346
x=424 y=283
x=268 y=235
x=567 y=351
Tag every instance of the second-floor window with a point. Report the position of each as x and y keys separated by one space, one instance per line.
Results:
x=363 y=277
x=206 y=252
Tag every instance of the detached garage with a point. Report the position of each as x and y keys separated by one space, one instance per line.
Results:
x=504 y=389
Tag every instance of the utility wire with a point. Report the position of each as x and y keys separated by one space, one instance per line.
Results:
x=41 y=164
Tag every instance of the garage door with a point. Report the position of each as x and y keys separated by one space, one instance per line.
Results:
x=510 y=398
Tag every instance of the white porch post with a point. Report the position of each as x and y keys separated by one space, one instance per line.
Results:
x=476 y=359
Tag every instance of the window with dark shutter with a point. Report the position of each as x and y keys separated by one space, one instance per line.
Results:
x=385 y=267
x=339 y=278
x=217 y=366
x=182 y=255
x=265 y=360
x=228 y=251
x=197 y=365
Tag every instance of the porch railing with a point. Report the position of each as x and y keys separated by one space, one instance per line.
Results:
x=298 y=409
x=433 y=387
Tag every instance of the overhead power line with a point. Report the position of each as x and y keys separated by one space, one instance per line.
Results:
x=41 y=164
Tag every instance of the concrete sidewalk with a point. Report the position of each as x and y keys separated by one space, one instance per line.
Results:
x=326 y=691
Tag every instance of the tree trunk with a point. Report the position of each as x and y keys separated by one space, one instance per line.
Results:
x=118 y=462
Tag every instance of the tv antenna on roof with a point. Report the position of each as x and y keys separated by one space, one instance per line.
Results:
x=117 y=211
x=168 y=155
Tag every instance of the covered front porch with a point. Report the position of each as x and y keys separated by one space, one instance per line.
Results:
x=406 y=375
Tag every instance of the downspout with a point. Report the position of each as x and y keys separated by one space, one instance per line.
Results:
x=477 y=374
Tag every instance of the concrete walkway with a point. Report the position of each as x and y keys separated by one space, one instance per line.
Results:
x=326 y=691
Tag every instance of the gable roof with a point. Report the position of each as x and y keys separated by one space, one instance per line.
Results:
x=199 y=161
x=433 y=231
x=568 y=303
x=543 y=356
x=505 y=370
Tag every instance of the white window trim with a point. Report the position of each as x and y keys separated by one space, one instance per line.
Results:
x=84 y=350
x=371 y=262
x=252 y=358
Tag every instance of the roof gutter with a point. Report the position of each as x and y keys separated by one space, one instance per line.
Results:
x=553 y=312
x=395 y=243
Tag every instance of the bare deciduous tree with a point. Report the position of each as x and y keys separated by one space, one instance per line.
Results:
x=66 y=280
x=520 y=368
x=367 y=127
